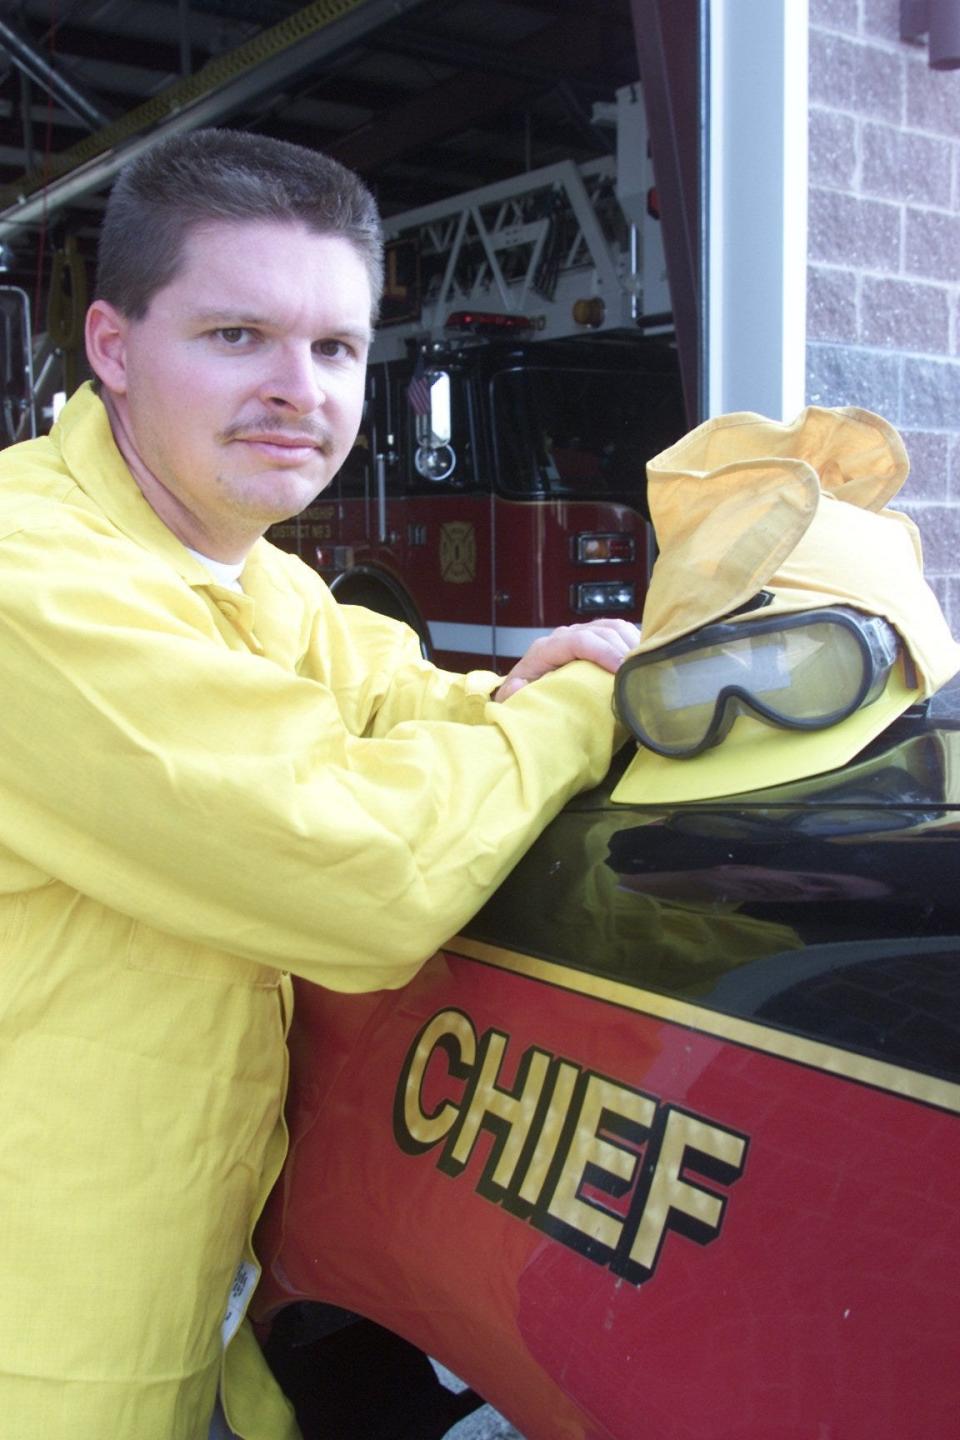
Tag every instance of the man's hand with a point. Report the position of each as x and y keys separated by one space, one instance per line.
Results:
x=605 y=642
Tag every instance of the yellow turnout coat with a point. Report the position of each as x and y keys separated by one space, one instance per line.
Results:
x=199 y=792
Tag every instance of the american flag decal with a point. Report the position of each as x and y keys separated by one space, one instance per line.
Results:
x=418 y=391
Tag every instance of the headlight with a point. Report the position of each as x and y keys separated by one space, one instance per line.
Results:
x=601 y=597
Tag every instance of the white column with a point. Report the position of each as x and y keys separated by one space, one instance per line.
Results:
x=756 y=206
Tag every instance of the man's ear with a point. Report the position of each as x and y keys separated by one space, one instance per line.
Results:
x=106 y=337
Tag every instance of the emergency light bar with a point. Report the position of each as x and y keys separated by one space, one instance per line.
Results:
x=480 y=321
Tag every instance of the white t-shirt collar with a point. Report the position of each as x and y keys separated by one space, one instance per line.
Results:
x=224 y=572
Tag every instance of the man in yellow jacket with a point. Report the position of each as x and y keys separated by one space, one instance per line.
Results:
x=212 y=776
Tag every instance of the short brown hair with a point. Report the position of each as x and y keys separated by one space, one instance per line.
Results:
x=209 y=175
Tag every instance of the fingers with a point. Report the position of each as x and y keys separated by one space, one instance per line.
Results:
x=604 y=642
x=510 y=686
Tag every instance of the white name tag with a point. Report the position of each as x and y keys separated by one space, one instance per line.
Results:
x=244 y=1284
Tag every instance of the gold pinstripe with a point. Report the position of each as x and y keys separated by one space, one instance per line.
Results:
x=897 y=1079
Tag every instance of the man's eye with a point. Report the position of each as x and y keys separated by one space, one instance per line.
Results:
x=232 y=334
x=333 y=349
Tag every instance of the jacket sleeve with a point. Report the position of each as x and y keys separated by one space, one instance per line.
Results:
x=374 y=667
x=339 y=827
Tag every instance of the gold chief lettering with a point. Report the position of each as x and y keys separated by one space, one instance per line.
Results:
x=601 y=1166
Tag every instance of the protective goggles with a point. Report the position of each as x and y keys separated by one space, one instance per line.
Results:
x=803 y=671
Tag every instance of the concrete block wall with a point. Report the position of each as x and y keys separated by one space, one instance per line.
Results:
x=883 y=277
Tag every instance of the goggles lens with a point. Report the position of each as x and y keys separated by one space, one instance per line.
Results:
x=803 y=671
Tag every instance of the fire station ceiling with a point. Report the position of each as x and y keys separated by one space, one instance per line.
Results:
x=425 y=98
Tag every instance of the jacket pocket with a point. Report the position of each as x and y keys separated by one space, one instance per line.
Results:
x=151 y=950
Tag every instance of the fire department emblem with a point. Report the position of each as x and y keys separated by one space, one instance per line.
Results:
x=458 y=552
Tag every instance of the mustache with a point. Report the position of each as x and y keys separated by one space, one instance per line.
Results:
x=267 y=424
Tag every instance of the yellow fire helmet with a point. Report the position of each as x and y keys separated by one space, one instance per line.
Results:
x=902 y=788
x=747 y=508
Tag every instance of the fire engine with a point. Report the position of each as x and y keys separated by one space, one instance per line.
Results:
x=523 y=375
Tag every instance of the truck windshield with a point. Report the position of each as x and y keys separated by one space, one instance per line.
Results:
x=586 y=432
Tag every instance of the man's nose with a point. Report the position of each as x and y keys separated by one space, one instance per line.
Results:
x=293 y=381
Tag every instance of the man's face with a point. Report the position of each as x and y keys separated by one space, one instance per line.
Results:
x=238 y=396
